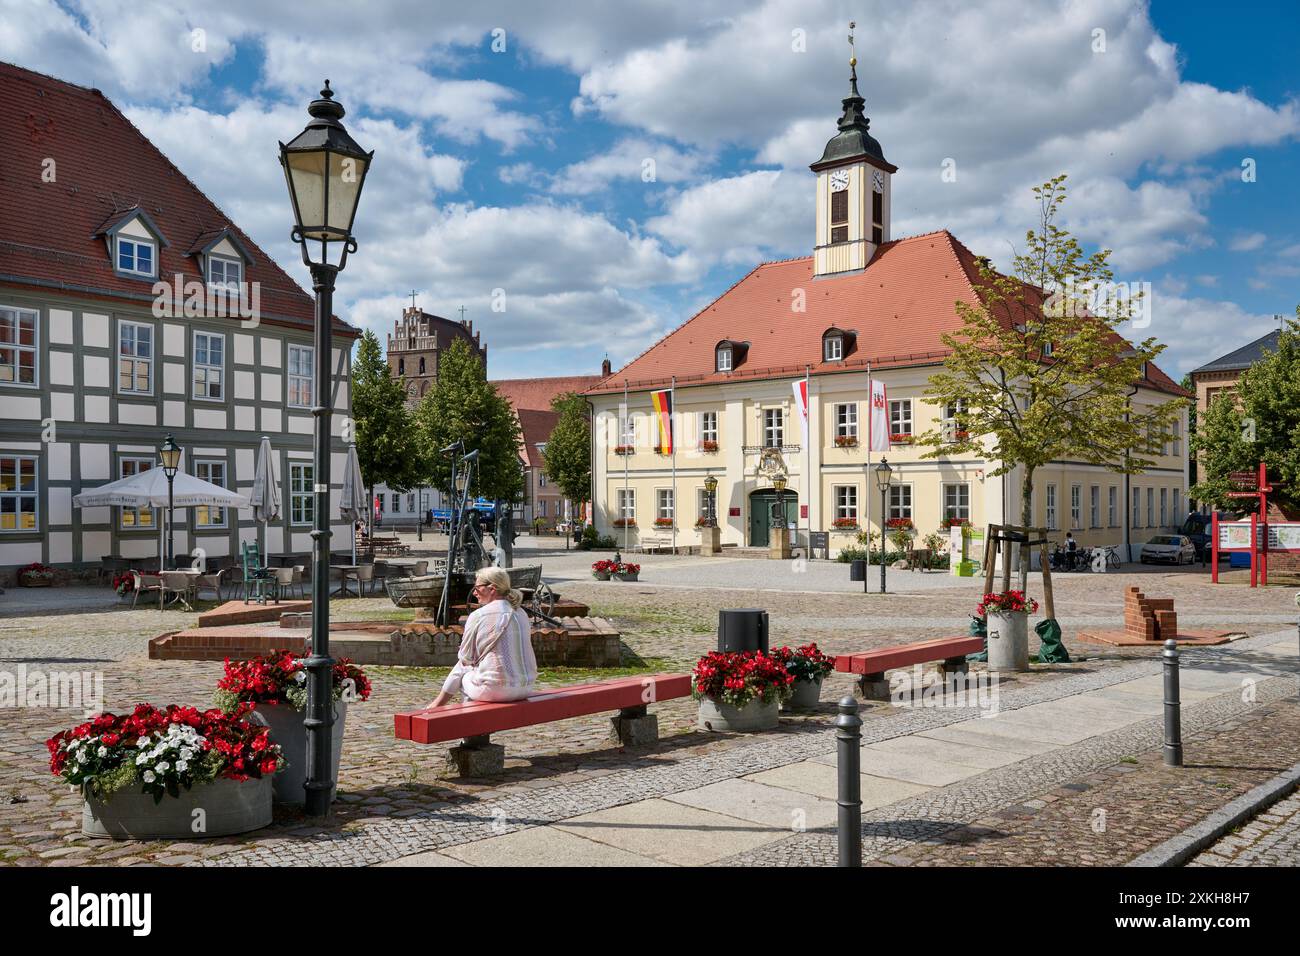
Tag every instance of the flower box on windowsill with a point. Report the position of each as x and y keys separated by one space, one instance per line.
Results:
x=624 y=449
x=661 y=450
x=624 y=522
x=706 y=523
x=845 y=524
x=901 y=438
x=899 y=523
x=710 y=447
x=663 y=522
x=846 y=441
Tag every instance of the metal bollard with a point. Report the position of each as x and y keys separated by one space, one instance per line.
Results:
x=1173 y=714
x=848 y=741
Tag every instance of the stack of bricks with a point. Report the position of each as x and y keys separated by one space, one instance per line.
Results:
x=1150 y=619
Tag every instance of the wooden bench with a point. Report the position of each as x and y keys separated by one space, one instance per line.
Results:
x=473 y=722
x=871 y=665
x=652 y=543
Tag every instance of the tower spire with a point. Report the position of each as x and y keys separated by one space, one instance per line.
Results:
x=854 y=116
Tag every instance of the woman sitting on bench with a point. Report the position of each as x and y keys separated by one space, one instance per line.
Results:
x=495 y=660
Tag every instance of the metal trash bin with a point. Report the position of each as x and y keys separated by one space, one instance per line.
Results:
x=858 y=569
x=742 y=629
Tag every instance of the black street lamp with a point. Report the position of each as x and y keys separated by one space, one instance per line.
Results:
x=711 y=488
x=170 y=453
x=883 y=474
x=325 y=170
x=779 y=483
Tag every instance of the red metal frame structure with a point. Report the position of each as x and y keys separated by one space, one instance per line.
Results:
x=1258 y=526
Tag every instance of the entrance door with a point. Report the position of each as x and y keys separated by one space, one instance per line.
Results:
x=764 y=514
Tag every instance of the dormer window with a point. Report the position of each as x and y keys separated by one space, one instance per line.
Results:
x=136 y=256
x=833 y=348
x=225 y=273
x=724 y=358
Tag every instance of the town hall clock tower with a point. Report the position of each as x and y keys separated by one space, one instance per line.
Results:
x=853 y=191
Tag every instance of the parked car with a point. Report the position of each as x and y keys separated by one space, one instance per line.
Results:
x=1171 y=548
x=1196 y=527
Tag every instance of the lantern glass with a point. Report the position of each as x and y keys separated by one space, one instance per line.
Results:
x=325 y=203
x=710 y=484
x=170 y=453
x=779 y=484
x=883 y=474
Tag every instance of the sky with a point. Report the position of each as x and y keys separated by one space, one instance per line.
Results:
x=584 y=176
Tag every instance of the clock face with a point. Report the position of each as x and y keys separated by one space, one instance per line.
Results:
x=839 y=180
x=878 y=181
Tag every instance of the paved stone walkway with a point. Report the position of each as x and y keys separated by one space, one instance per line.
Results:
x=1270 y=839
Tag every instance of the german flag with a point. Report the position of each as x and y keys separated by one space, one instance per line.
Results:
x=663 y=406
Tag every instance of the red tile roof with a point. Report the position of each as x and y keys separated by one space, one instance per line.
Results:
x=899 y=306
x=536 y=426
x=537 y=393
x=104 y=167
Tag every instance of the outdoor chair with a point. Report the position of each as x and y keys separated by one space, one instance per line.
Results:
x=178 y=585
x=259 y=582
x=146 y=582
x=111 y=566
x=210 y=582
x=363 y=575
x=421 y=568
x=285 y=580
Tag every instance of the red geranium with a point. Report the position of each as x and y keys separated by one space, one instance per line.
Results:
x=1007 y=601
x=806 y=662
x=280 y=677
x=737 y=677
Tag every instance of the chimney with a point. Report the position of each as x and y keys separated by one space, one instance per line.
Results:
x=605 y=369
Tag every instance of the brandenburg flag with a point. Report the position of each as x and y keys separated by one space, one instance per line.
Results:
x=663 y=406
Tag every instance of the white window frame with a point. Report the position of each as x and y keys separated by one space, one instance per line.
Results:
x=302 y=494
x=225 y=282
x=627 y=430
x=1164 y=508
x=14 y=317
x=956 y=510
x=136 y=246
x=410 y=502
x=1076 y=507
x=151 y=524
x=541 y=507
x=1137 y=507
x=771 y=430
x=846 y=420
x=833 y=348
x=135 y=359
x=208 y=368
x=1094 y=506
x=305 y=382
x=722 y=359
x=204 y=514
x=900 y=501
x=625 y=498
x=846 y=502
x=1177 y=437
x=1050 y=513
x=708 y=426
x=1175 y=509
x=702 y=502
x=665 y=504
x=18 y=494
x=900 y=416
x=1151 y=508
x=1112 y=502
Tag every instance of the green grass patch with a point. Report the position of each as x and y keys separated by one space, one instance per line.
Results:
x=1128 y=760
x=652 y=621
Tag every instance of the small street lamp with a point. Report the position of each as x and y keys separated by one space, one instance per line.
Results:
x=779 y=483
x=325 y=169
x=711 y=489
x=170 y=453
x=883 y=474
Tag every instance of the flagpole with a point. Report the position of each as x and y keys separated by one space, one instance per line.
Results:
x=622 y=425
x=866 y=478
x=672 y=444
x=807 y=454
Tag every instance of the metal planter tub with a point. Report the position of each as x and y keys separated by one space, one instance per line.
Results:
x=287 y=731
x=805 y=695
x=725 y=718
x=1008 y=639
x=220 y=808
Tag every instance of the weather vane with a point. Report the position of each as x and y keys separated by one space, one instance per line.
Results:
x=853 y=59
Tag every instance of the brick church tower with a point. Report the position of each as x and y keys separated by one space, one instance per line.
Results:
x=415 y=342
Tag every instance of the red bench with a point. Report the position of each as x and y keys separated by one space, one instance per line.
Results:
x=871 y=665
x=473 y=722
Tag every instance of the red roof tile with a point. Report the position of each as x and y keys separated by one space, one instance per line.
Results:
x=105 y=166
x=899 y=307
x=536 y=393
x=536 y=426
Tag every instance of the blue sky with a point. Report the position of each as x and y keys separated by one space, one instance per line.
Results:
x=520 y=172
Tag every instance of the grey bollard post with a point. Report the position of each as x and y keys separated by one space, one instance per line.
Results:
x=848 y=742
x=1173 y=715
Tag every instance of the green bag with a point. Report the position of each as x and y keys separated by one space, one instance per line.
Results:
x=1052 y=651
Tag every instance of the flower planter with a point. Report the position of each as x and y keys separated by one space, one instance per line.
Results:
x=287 y=731
x=804 y=695
x=229 y=806
x=627 y=575
x=600 y=575
x=1008 y=638
x=724 y=718
x=34 y=581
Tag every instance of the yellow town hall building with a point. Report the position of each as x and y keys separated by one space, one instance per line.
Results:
x=862 y=304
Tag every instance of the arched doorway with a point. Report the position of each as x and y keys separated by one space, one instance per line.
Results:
x=764 y=513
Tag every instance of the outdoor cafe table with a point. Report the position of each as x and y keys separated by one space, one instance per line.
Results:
x=343 y=590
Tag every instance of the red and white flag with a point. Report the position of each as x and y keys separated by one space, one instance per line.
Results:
x=801 y=407
x=879 y=426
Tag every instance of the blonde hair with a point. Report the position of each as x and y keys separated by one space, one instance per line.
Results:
x=500 y=580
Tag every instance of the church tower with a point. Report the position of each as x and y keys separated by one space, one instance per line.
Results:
x=853 y=190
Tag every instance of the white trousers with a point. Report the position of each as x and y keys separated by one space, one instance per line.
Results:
x=473 y=690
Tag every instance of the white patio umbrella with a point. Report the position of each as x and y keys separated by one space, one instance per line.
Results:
x=265 y=497
x=148 y=489
x=353 y=503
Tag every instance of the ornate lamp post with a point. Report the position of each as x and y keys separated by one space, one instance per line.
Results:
x=883 y=474
x=779 y=483
x=711 y=489
x=170 y=453
x=325 y=170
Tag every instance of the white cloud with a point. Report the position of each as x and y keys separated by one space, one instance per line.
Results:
x=1247 y=241
x=1197 y=331
x=741 y=219
x=638 y=160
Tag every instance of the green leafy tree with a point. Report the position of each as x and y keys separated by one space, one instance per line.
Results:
x=1035 y=376
x=464 y=406
x=568 y=450
x=1261 y=422
x=388 y=447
